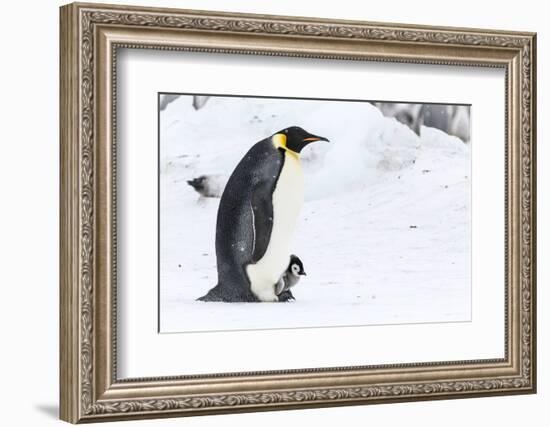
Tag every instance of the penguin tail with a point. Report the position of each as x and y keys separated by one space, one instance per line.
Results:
x=213 y=295
x=224 y=294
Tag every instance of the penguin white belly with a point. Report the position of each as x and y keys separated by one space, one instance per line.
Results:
x=287 y=200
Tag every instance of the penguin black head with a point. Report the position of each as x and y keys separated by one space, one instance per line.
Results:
x=295 y=138
x=296 y=267
x=198 y=183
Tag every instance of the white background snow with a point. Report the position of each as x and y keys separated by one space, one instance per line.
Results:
x=384 y=233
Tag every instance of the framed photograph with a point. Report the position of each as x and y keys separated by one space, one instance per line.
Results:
x=267 y=212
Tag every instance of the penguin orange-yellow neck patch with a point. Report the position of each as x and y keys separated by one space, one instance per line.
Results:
x=279 y=141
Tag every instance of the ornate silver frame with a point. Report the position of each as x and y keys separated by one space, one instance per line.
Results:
x=90 y=36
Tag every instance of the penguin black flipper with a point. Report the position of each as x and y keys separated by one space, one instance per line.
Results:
x=262 y=216
x=279 y=286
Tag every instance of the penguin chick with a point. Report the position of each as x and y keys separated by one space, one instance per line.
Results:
x=208 y=185
x=289 y=278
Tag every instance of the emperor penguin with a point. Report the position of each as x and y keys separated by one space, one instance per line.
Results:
x=256 y=218
x=208 y=185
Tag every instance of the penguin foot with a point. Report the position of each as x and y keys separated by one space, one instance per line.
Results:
x=286 y=296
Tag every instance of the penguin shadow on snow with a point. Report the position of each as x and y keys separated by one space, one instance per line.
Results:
x=257 y=215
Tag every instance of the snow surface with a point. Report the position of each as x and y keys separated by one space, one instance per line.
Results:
x=384 y=233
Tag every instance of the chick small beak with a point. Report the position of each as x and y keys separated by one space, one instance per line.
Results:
x=303 y=273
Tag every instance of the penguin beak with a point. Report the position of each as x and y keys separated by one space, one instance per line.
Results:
x=303 y=273
x=313 y=138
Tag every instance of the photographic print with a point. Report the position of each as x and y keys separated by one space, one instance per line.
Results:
x=296 y=213
x=360 y=194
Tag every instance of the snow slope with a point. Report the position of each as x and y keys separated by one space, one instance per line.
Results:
x=384 y=233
